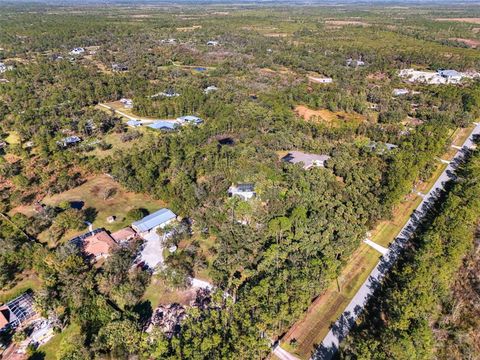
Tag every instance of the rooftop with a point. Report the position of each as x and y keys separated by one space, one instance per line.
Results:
x=98 y=244
x=153 y=220
x=123 y=235
x=163 y=125
x=307 y=159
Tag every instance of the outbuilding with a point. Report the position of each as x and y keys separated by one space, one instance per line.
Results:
x=158 y=219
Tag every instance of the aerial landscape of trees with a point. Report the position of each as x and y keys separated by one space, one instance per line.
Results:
x=268 y=258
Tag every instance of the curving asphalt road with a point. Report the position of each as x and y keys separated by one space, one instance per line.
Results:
x=340 y=329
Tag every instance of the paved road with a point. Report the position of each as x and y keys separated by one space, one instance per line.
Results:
x=339 y=330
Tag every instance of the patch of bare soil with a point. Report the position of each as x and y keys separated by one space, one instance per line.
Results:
x=469 y=42
x=464 y=20
x=346 y=22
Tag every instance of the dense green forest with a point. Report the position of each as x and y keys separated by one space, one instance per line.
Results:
x=269 y=257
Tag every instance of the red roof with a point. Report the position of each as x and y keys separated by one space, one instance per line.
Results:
x=4 y=312
x=124 y=234
x=98 y=244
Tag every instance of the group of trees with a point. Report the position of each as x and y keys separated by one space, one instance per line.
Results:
x=272 y=255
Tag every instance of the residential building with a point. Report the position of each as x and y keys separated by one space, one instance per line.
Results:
x=163 y=125
x=124 y=235
x=98 y=245
x=210 y=89
x=320 y=80
x=69 y=140
x=127 y=103
x=3 y=68
x=158 y=219
x=16 y=312
x=307 y=160
x=244 y=191
x=355 y=63
x=77 y=51
x=452 y=76
x=134 y=123
x=400 y=92
x=190 y=119
x=119 y=67
x=213 y=43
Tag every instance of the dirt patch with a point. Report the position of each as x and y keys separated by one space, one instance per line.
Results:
x=464 y=20
x=189 y=28
x=276 y=35
x=325 y=116
x=469 y=42
x=346 y=23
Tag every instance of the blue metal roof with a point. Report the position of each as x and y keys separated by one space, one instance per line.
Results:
x=163 y=125
x=155 y=219
x=449 y=73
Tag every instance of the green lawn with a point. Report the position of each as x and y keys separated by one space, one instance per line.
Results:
x=50 y=349
x=27 y=282
x=91 y=194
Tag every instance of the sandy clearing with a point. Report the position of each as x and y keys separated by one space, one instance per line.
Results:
x=465 y=20
x=469 y=42
x=346 y=22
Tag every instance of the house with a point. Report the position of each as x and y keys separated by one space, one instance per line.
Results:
x=308 y=160
x=119 y=67
x=320 y=80
x=244 y=191
x=134 y=123
x=124 y=235
x=374 y=146
x=400 y=92
x=68 y=141
x=169 y=93
x=16 y=312
x=158 y=219
x=163 y=125
x=77 y=51
x=169 y=41
x=213 y=43
x=98 y=245
x=127 y=103
x=190 y=119
x=355 y=63
x=452 y=76
x=210 y=89
x=3 y=68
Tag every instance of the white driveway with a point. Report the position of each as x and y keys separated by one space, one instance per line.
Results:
x=152 y=252
x=340 y=329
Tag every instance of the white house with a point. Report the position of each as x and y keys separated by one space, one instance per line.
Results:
x=244 y=191
x=190 y=119
x=210 y=89
x=400 y=92
x=77 y=51
x=320 y=80
x=307 y=160
x=452 y=76
x=127 y=103
x=213 y=43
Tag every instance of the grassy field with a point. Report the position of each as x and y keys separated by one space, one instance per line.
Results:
x=50 y=349
x=157 y=293
x=26 y=282
x=91 y=194
x=327 y=117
